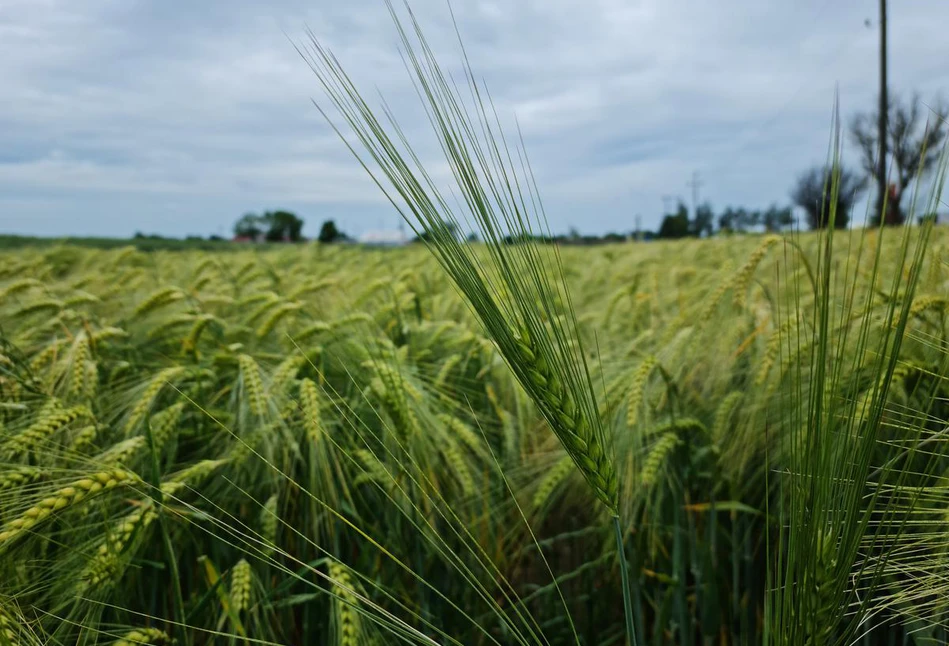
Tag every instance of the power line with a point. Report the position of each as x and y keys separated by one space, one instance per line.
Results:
x=884 y=108
x=694 y=184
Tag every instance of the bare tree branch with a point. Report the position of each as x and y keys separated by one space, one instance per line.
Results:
x=914 y=142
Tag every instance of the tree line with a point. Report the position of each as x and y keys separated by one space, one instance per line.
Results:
x=826 y=194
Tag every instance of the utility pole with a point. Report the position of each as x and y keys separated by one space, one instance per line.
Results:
x=638 y=227
x=884 y=108
x=694 y=184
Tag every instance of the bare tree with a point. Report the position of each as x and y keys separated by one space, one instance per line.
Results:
x=913 y=142
x=815 y=190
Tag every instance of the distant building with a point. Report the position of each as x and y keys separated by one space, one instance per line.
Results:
x=248 y=239
x=383 y=238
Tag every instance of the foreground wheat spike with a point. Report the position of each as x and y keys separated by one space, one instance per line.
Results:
x=520 y=296
x=571 y=423
x=518 y=292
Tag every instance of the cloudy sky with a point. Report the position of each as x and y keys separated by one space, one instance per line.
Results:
x=176 y=117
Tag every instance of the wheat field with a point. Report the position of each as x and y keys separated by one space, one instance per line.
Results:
x=322 y=445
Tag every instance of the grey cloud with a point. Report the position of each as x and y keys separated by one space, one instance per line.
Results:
x=175 y=116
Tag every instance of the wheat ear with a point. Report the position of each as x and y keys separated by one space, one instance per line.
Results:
x=68 y=496
x=569 y=422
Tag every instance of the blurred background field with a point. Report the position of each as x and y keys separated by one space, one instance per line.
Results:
x=265 y=409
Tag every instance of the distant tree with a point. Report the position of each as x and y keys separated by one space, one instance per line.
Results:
x=738 y=219
x=703 y=224
x=472 y=237
x=274 y=226
x=777 y=219
x=675 y=225
x=329 y=233
x=914 y=144
x=814 y=190
x=249 y=226
x=728 y=220
x=523 y=238
x=749 y=219
x=282 y=226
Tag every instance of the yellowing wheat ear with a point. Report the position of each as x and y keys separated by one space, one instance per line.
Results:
x=69 y=496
